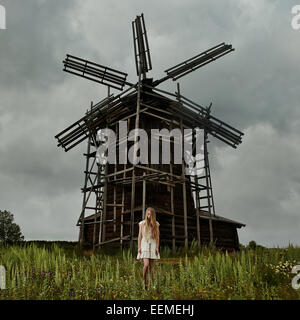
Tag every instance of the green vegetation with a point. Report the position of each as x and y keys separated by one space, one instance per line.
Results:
x=61 y=271
x=9 y=231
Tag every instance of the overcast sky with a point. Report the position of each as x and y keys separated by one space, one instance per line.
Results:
x=256 y=89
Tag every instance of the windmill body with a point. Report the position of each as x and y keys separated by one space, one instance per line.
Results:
x=115 y=195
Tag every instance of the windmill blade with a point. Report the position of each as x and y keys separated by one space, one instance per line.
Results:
x=194 y=115
x=196 y=62
x=214 y=126
x=94 y=118
x=95 y=72
x=141 y=46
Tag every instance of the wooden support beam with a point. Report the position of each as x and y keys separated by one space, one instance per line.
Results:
x=113 y=240
x=115 y=190
x=197 y=214
x=172 y=194
x=144 y=196
x=102 y=230
x=98 y=203
x=211 y=234
x=184 y=203
x=183 y=178
x=81 y=231
x=137 y=121
x=114 y=205
x=118 y=172
x=176 y=177
x=132 y=209
x=123 y=195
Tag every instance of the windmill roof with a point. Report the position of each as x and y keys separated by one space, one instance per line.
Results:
x=204 y=215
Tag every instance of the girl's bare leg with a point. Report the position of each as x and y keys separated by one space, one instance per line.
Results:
x=151 y=265
x=145 y=269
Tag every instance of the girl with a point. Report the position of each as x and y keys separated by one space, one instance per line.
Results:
x=148 y=243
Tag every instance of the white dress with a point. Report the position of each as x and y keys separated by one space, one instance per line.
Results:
x=148 y=244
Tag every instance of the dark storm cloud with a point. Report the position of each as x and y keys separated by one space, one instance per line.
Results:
x=31 y=42
x=255 y=88
x=259 y=185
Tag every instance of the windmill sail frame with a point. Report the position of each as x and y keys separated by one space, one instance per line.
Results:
x=118 y=194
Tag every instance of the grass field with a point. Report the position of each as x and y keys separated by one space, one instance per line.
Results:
x=62 y=271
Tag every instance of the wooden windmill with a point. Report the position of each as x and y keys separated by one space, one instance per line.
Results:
x=115 y=196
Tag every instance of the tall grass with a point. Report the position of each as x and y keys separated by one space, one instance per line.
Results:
x=53 y=272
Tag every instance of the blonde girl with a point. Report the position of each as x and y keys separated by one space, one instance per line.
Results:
x=148 y=243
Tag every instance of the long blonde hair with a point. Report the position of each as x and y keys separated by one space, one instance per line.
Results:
x=152 y=224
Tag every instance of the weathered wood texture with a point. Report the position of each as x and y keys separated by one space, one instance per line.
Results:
x=159 y=183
